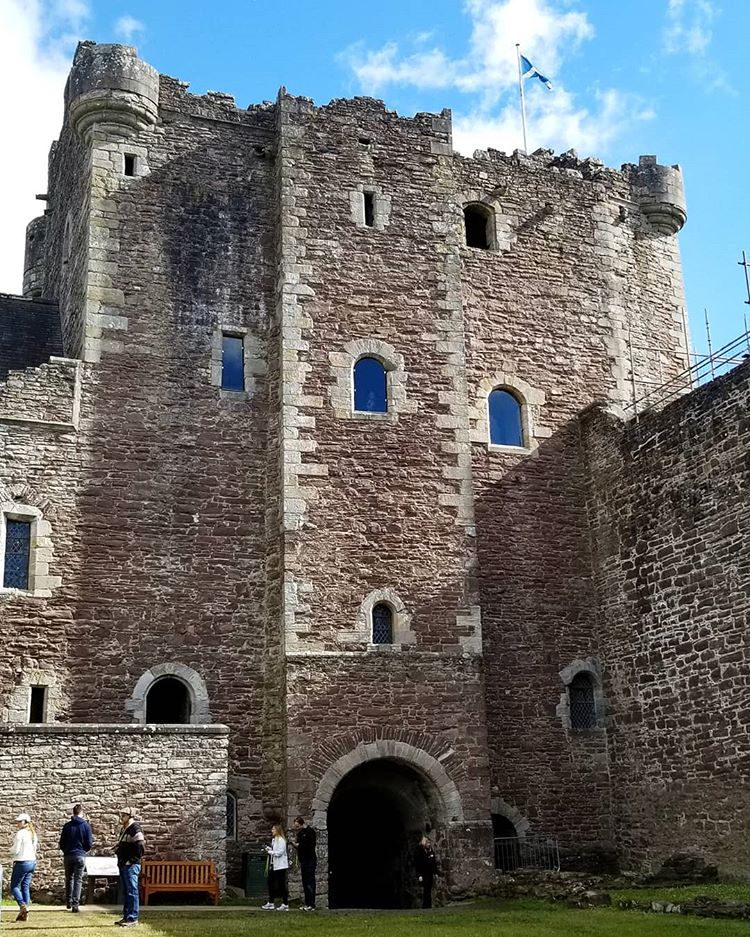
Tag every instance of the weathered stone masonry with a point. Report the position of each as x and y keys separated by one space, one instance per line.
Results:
x=238 y=541
x=668 y=499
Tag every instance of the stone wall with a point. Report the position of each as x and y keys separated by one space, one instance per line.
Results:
x=670 y=515
x=174 y=776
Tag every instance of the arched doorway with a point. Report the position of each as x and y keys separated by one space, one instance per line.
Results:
x=376 y=816
x=168 y=701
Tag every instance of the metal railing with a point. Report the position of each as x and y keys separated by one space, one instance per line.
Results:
x=705 y=368
x=513 y=853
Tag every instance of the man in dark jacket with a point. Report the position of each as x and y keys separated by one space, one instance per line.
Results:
x=308 y=860
x=129 y=854
x=76 y=839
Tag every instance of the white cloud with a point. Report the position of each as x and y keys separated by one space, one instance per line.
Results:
x=560 y=125
x=688 y=26
x=548 y=31
x=37 y=40
x=128 y=27
x=490 y=64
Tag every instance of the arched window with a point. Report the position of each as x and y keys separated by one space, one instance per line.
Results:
x=370 y=386
x=582 y=702
x=506 y=843
x=382 y=624
x=506 y=428
x=168 y=700
x=231 y=815
x=478 y=221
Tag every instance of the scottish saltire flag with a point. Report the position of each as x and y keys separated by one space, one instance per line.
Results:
x=530 y=71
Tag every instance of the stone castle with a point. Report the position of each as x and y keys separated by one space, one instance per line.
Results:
x=320 y=493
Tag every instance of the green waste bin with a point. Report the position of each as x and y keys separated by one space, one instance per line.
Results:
x=254 y=874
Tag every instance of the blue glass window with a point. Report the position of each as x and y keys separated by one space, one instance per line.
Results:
x=382 y=624
x=505 y=419
x=233 y=363
x=17 y=552
x=370 y=386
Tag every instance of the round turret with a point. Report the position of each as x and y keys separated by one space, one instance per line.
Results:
x=112 y=89
x=33 y=264
x=660 y=194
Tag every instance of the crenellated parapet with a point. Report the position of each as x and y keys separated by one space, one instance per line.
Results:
x=111 y=88
x=660 y=194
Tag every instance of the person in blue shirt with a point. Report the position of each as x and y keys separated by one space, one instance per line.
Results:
x=76 y=839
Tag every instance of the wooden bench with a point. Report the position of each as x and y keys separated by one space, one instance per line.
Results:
x=169 y=875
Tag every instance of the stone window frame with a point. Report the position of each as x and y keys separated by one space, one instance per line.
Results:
x=254 y=363
x=18 y=710
x=41 y=584
x=591 y=667
x=200 y=712
x=531 y=399
x=401 y=621
x=341 y=390
x=381 y=206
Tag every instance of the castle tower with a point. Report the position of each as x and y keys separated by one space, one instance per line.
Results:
x=288 y=503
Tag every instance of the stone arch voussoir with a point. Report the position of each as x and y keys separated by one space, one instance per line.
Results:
x=391 y=750
x=200 y=712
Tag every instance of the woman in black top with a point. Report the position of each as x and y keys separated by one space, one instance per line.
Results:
x=426 y=867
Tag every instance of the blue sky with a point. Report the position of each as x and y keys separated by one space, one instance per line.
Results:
x=644 y=76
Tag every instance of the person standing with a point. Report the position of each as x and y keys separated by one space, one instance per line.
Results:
x=426 y=867
x=76 y=839
x=129 y=852
x=278 y=872
x=23 y=853
x=308 y=860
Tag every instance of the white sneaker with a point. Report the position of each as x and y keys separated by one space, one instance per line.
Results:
x=283 y=907
x=268 y=906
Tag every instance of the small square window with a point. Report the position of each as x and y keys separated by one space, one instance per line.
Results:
x=38 y=704
x=17 y=554
x=233 y=363
x=129 y=167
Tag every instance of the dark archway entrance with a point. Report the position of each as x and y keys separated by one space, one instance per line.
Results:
x=168 y=701
x=375 y=819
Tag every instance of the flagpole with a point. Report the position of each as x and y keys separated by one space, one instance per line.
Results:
x=523 y=102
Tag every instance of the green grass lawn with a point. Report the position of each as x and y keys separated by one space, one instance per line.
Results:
x=486 y=919
x=735 y=892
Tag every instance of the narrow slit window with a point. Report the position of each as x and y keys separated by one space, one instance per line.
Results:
x=231 y=816
x=37 y=703
x=370 y=386
x=369 y=208
x=382 y=624
x=233 y=363
x=506 y=426
x=17 y=554
x=129 y=164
